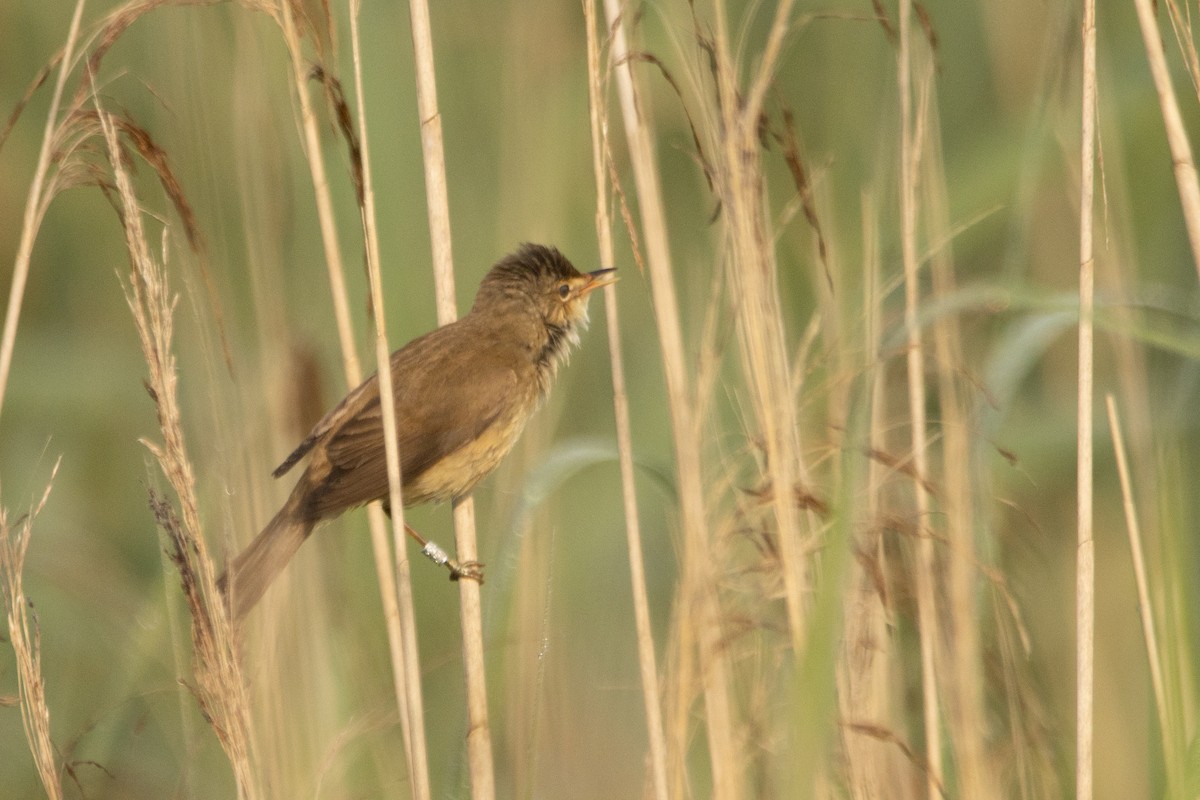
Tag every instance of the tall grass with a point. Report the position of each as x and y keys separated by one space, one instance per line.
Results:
x=840 y=415
x=25 y=637
x=1085 y=570
x=602 y=164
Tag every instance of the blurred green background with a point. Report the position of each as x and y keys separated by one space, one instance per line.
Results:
x=211 y=85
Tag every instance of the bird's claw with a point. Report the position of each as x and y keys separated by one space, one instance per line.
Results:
x=470 y=570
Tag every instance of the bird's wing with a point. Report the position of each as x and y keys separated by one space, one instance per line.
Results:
x=357 y=397
x=449 y=389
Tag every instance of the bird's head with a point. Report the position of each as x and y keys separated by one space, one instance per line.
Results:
x=541 y=278
x=538 y=287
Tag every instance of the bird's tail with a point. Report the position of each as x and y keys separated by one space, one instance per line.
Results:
x=256 y=567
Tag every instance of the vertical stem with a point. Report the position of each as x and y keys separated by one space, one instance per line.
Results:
x=699 y=589
x=434 y=157
x=325 y=217
x=1167 y=729
x=1177 y=137
x=926 y=597
x=637 y=571
x=964 y=697
x=479 y=736
x=865 y=648
x=350 y=362
x=33 y=209
x=1085 y=567
x=405 y=671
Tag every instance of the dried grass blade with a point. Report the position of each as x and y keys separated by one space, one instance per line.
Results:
x=25 y=637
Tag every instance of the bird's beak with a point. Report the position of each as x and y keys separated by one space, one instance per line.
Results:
x=597 y=279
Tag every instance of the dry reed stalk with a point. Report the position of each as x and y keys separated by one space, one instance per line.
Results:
x=1172 y=756
x=325 y=216
x=967 y=715
x=412 y=708
x=26 y=640
x=220 y=688
x=1085 y=566
x=479 y=734
x=601 y=158
x=381 y=551
x=878 y=701
x=35 y=207
x=752 y=274
x=863 y=693
x=699 y=614
x=751 y=271
x=1177 y=136
x=910 y=153
x=1181 y=23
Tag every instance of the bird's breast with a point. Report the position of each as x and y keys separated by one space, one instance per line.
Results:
x=457 y=473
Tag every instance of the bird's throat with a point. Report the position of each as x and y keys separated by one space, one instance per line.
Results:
x=556 y=351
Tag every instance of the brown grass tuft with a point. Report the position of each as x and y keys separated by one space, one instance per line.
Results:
x=220 y=688
x=25 y=638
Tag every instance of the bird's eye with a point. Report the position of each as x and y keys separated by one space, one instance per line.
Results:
x=564 y=291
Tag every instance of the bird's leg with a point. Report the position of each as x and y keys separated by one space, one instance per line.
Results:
x=472 y=570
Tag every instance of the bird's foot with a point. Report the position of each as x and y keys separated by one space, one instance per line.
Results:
x=469 y=570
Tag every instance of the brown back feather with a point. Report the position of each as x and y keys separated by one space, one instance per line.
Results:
x=471 y=396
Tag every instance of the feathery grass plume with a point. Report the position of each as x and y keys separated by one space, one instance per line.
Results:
x=220 y=688
x=69 y=155
x=752 y=275
x=26 y=639
x=735 y=107
x=797 y=533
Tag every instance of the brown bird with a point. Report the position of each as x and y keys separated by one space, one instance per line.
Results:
x=463 y=394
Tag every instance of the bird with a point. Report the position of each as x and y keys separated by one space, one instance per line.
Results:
x=463 y=394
